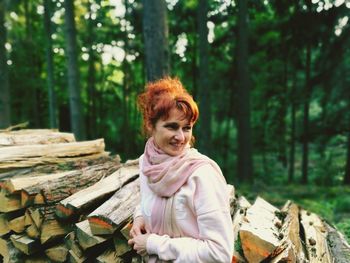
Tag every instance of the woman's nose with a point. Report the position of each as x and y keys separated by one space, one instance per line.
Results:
x=179 y=135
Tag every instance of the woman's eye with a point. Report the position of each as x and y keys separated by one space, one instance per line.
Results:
x=187 y=128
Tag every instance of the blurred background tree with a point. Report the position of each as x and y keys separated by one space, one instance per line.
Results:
x=271 y=78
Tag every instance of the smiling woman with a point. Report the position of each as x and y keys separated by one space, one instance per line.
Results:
x=184 y=212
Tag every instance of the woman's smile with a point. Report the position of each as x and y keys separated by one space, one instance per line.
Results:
x=173 y=134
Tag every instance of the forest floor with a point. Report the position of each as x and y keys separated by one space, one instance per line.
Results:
x=332 y=203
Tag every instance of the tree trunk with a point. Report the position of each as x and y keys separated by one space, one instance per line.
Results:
x=50 y=67
x=32 y=86
x=292 y=135
x=5 y=118
x=347 y=169
x=155 y=31
x=91 y=79
x=305 y=160
x=76 y=115
x=203 y=81
x=244 y=158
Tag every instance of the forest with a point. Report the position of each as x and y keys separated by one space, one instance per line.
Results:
x=270 y=78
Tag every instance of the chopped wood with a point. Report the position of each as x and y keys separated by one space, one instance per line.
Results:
x=31 y=137
x=32 y=155
x=85 y=237
x=110 y=216
x=17 y=224
x=258 y=233
x=66 y=165
x=25 y=244
x=63 y=186
x=240 y=207
x=58 y=253
x=72 y=244
x=15 y=185
x=108 y=256
x=100 y=191
x=290 y=230
x=9 y=253
x=315 y=237
x=121 y=245
x=125 y=230
x=9 y=202
x=74 y=258
x=337 y=244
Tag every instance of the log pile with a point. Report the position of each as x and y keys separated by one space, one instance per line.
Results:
x=68 y=201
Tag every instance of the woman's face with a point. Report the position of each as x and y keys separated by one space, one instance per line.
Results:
x=173 y=134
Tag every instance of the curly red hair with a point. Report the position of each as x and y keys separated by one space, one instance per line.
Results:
x=163 y=95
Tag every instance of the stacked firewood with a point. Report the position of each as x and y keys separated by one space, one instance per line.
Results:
x=50 y=188
x=68 y=201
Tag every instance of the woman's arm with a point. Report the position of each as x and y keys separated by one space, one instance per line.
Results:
x=211 y=207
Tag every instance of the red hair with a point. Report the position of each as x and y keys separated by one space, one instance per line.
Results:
x=162 y=96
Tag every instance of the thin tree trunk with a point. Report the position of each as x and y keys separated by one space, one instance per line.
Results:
x=33 y=104
x=126 y=86
x=5 y=109
x=76 y=115
x=245 y=163
x=50 y=66
x=292 y=134
x=91 y=79
x=155 y=31
x=305 y=160
x=347 y=168
x=204 y=81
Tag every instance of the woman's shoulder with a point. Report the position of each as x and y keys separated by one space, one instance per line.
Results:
x=208 y=173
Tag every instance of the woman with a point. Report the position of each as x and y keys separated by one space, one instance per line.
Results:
x=184 y=212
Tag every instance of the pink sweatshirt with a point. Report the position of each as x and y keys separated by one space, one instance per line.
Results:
x=203 y=215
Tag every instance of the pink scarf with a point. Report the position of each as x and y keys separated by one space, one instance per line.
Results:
x=166 y=174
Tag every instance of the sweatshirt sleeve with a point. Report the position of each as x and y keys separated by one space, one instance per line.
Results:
x=211 y=206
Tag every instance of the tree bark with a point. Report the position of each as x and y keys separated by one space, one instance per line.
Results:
x=204 y=87
x=347 y=167
x=155 y=31
x=76 y=115
x=244 y=158
x=5 y=109
x=50 y=66
x=91 y=79
x=305 y=160
x=292 y=134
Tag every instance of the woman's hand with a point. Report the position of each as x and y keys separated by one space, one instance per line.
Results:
x=138 y=227
x=139 y=243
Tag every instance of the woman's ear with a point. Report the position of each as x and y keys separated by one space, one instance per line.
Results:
x=149 y=128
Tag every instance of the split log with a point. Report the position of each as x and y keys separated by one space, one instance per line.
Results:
x=8 y=220
x=46 y=224
x=337 y=244
x=9 y=202
x=110 y=216
x=25 y=244
x=85 y=237
x=17 y=224
x=121 y=246
x=73 y=245
x=58 y=253
x=315 y=238
x=9 y=253
x=95 y=194
x=290 y=231
x=258 y=233
x=31 y=137
x=31 y=155
x=64 y=185
x=109 y=256
x=240 y=209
